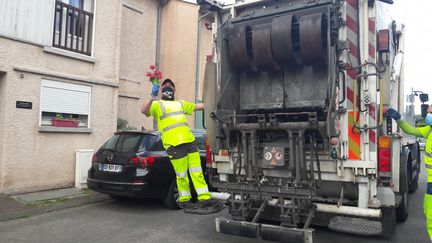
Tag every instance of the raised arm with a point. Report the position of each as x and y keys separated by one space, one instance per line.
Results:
x=199 y=106
x=145 y=109
x=407 y=128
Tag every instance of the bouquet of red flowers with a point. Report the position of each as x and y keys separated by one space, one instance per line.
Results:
x=154 y=75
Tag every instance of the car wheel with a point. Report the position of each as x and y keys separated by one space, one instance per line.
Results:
x=118 y=198
x=170 y=200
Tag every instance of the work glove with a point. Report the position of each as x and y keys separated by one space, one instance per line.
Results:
x=155 y=91
x=392 y=113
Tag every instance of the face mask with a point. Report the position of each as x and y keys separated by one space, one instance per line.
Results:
x=428 y=119
x=167 y=93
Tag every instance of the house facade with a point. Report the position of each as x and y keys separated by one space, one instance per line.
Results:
x=69 y=69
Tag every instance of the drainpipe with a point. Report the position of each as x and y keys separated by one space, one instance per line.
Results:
x=161 y=3
x=158 y=30
x=198 y=54
x=197 y=62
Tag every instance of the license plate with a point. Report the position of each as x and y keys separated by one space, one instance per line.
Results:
x=112 y=168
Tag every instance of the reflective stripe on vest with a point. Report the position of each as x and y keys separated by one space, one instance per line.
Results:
x=428 y=166
x=165 y=114
x=428 y=154
x=174 y=126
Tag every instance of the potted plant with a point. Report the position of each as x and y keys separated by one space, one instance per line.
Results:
x=60 y=121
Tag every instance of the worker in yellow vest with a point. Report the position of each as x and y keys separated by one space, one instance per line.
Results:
x=180 y=145
x=424 y=132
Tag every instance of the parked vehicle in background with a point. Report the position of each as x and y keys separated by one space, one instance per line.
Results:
x=134 y=164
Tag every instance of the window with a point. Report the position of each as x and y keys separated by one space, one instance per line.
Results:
x=64 y=104
x=73 y=25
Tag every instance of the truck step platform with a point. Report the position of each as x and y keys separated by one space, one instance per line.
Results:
x=355 y=226
x=264 y=231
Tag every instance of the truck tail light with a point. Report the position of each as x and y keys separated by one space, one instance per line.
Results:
x=384 y=156
x=209 y=159
x=384 y=40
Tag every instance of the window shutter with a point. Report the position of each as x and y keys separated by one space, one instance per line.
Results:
x=30 y=20
x=62 y=97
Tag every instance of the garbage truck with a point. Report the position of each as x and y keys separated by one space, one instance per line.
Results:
x=295 y=93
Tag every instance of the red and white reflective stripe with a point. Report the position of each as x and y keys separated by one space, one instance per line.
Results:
x=372 y=106
x=352 y=20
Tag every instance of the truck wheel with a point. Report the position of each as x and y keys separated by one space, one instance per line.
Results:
x=388 y=221
x=402 y=209
x=414 y=185
x=170 y=200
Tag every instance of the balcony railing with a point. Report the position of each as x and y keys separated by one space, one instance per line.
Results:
x=73 y=28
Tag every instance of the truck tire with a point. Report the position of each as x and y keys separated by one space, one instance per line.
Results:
x=402 y=209
x=171 y=197
x=414 y=185
x=414 y=167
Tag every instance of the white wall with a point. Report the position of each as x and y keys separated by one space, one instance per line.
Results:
x=30 y=20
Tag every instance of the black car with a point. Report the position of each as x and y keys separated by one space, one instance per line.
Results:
x=134 y=164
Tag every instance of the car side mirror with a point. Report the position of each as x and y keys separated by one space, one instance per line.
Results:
x=424 y=108
x=424 y=98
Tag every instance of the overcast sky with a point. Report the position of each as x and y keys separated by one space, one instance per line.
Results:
x=416 y=15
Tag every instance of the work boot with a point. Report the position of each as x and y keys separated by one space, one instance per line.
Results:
x=187 y=205
x=209 y=203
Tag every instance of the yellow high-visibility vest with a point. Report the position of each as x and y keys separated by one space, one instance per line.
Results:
x=172 y=121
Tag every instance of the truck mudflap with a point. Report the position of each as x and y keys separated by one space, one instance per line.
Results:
x=264 y=231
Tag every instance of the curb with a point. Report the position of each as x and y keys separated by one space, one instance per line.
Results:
x=41 y=210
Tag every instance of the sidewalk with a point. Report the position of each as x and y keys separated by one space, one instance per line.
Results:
x=30 y=204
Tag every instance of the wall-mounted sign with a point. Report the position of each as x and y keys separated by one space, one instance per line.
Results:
x=24 y=104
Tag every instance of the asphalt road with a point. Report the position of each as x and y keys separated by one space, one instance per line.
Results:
x=149 y=221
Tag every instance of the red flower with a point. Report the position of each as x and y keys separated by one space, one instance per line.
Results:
x=154 y=75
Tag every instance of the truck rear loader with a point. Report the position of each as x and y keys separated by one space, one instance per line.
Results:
x=295 y=94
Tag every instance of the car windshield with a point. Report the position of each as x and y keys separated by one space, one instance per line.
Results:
x=147 y=142
x=110 y=144
x=130 y=142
